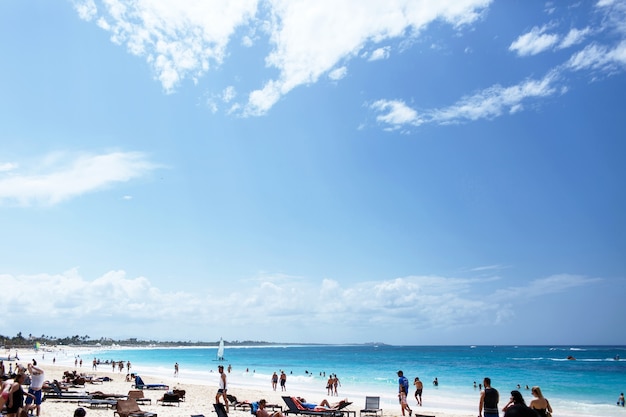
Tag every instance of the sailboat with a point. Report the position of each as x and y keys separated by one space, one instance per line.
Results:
x=220 y=350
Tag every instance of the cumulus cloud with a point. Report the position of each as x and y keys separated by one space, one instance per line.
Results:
x=534 y=42
x=57 y=177
x=179 y=39
x=98 y=305
x=186 y=38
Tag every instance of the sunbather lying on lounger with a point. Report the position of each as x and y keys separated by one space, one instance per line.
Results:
x=323 y=405
x=262 y=412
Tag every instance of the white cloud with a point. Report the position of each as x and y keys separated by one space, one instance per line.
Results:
x=599 y=57
x=338 y=74
x=59 y=176
x=380 y=53
x=184 y=39
x=485 y=104
x=179 y=39
x=8 y=166
x=395 y=113
x=414 y=302
x=534 y=42
x=86 y=9
x=574 y=37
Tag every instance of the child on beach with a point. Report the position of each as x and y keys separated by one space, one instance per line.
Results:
x=403 y=404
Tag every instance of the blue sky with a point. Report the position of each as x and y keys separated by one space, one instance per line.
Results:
x=406 y=172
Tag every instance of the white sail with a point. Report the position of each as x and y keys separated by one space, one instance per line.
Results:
x=220 y=351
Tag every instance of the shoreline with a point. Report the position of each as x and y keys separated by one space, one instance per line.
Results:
x=201 y=388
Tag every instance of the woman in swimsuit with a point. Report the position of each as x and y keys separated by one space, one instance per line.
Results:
x=15 y=401
x=539 y=403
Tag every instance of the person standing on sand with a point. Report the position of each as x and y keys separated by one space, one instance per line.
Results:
x=403 y=388
x=34 y=390
x=283 y=381
x=221 y=392
x=489 y=398
x=329 y=385
x=336 y=383
x=274 y=381
x=419 y=387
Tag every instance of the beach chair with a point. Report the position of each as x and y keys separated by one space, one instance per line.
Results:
x=139 y=397
x=59 y=395
x=220 y=410
x=97 y=403
x=139 y=384
x=169 y=399
x=293 y=408
x=372 y=407
x=127 y=408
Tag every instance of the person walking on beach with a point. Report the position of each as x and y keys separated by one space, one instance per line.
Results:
x=283 y=381
x=329 y=385
x=176 y=369
x=336 y=383
x=403 y=388
x=419 y=387
x=620 y=400
x=221 y=391
x=274 y=381
x=489 y=398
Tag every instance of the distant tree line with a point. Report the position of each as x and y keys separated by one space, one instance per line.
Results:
x=19 y=341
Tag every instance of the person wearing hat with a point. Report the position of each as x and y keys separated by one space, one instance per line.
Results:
x=403 y=389
x=221 y=391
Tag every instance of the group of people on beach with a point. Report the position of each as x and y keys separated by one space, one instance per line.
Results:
x=12 y=394
x=516 y=406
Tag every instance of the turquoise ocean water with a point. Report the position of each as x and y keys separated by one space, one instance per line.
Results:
x=588 y=385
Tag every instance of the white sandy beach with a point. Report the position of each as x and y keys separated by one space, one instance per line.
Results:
x=200 y=395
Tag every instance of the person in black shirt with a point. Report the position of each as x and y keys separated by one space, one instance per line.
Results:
x=516 y=407
x=489 y=398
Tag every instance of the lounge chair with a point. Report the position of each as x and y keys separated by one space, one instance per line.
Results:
x=139 y=384
x=180 y=392
x=246 y=406
x=220 y=410
x=60 y=395
x=99 y=395
x=138 y=396
x=97 y=403
x=372 y=407
x=294 y=407
x=169 y=399
x=127 y=408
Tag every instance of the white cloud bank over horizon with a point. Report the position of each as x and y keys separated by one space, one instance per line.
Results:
x=74 y=304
